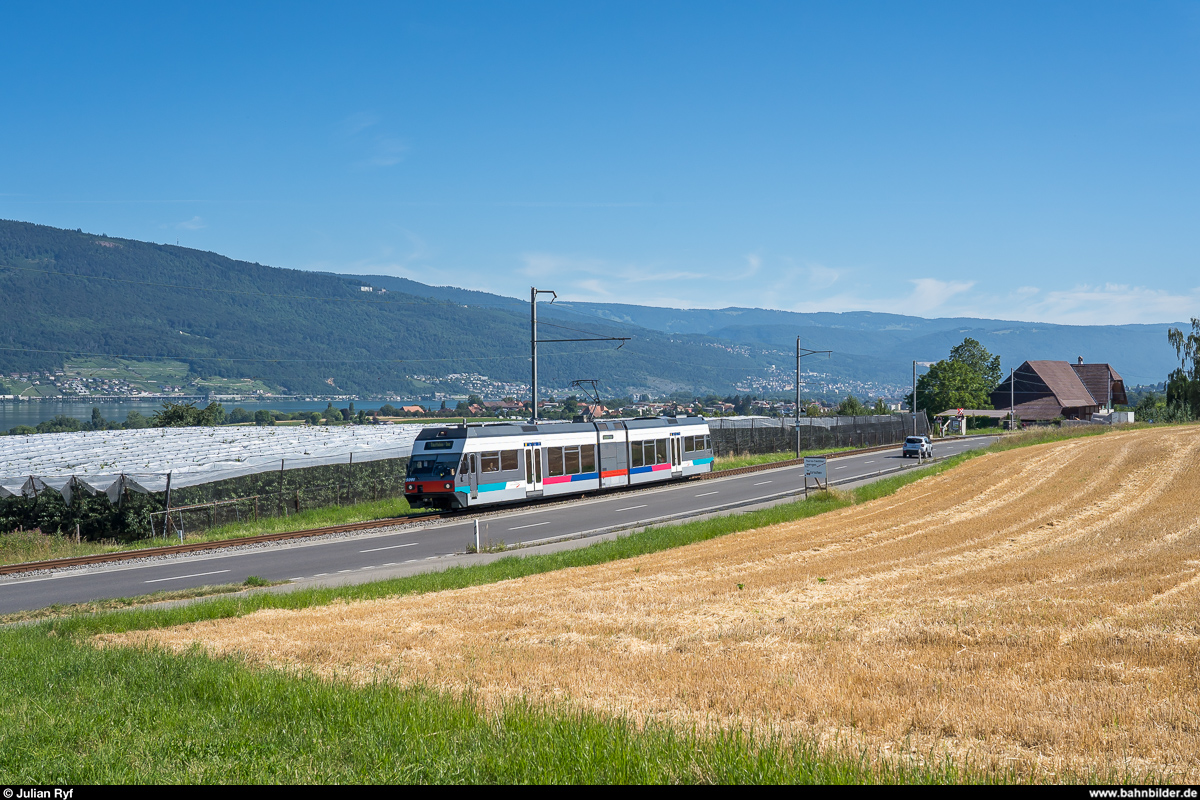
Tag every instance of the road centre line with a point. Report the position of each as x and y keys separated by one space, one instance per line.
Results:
x=181 y=577
x=706 y=494
x=389 y=547
x=534 y=525
x=760 y=483
x=631 y=508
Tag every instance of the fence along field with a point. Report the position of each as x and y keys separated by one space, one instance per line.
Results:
x=1036 y=608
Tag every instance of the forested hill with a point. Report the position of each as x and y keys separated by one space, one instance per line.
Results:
x=67 y=294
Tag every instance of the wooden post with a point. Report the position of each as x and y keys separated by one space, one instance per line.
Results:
x=167 y=509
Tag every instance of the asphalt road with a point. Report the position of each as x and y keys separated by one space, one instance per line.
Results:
x=382 y=553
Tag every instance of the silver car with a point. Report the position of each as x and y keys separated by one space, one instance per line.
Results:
x=918 y=447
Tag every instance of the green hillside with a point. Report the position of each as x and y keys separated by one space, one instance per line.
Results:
x=67 y=294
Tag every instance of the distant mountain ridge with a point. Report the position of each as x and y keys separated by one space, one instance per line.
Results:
x=64 y=294
x=869 y=345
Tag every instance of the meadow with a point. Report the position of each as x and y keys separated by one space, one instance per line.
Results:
x=1031 y=612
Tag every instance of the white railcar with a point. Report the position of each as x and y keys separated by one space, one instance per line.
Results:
x=463 y=466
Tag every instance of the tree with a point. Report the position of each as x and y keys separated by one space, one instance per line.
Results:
x=134 y=421
x=98 y=423
x=1183 y=384
x=851 y=407
x=880 y=407
x=263 y=417
x=965 y=380
x=240 y=416
x=980 y=361
x=186 y=415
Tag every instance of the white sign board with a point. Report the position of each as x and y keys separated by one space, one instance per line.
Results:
x=814 y=467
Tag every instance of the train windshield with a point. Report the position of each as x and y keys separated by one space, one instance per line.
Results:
x=432 y=467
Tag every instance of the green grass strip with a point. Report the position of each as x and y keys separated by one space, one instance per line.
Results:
x=76 y=714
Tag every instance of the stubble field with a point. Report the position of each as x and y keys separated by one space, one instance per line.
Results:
x=1034 y=610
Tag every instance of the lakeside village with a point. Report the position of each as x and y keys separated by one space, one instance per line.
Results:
x=455 y=395
x=451 y=391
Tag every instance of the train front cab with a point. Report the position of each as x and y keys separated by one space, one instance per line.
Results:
x=431 y=477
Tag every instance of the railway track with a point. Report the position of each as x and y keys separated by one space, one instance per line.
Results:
x=152 y=552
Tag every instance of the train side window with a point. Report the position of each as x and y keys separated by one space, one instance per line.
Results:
x=635 y=454
x=489 y=462
x=707 y=442
x=509 y=460
x=464 y=466
x=554 y=461
x=661 y=447
x=587 y=457
x=571 y=458
x=689 y=444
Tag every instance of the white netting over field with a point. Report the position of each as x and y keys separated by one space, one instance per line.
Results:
x=140 y=460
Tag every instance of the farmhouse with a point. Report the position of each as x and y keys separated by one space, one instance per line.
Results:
x=1040 y=391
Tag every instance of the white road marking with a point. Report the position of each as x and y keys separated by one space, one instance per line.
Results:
x=389 y=547
x=534 y=525
x=841 y=467
x=631 y=508
x=872 y=461
x=761 y=483
x=706 y=494
x=181 y=577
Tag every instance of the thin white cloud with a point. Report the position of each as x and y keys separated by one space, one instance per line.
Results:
x=1112 y=304
x=930 y=294
x=356 y=123
x=193 y=224
x=387 y=151
x=821 y=276
x=927 y=296
x=544 y=265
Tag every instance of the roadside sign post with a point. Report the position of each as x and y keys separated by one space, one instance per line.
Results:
x=814 y=468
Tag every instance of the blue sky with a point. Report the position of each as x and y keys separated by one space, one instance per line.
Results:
x=1033 y=161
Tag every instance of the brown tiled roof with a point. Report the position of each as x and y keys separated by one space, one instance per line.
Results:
x=1045 y=390
x=1064 y=383
x=1096 y=377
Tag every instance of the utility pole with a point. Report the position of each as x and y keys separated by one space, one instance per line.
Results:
x=534 y=340
x=914 y=390
x=800 y=355
x=914 y=402
x=1012 y=398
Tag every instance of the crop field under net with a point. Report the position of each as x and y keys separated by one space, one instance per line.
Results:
x=1032 y=609
x=119 y=484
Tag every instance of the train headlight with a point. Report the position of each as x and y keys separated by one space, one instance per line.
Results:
x=447 y=486
x=410 y=488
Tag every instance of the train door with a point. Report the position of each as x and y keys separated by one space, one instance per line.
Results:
x=676 y=456
x=533 y=471
x=472 y=475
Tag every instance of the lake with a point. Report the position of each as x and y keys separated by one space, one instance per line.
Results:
x=31 y=412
